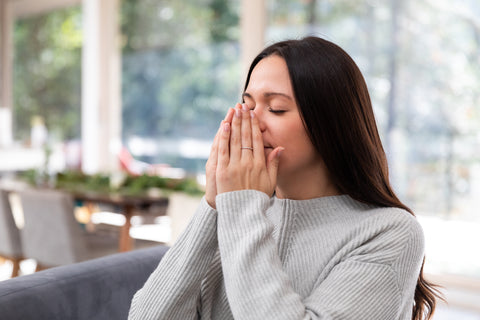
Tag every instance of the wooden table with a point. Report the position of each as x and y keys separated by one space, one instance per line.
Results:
x=128 y=205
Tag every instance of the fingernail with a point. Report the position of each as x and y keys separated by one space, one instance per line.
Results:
x=244 y=107
x=252 y=114
x=237 y=113
x=279 y=153
x=226 y=127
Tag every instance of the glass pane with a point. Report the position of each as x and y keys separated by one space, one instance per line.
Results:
x=421 y=63
x=180 y=75
x=47 y=76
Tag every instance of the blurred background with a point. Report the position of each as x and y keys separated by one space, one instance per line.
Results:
x=103 y=86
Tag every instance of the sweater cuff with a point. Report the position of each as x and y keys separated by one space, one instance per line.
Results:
x=238 y=209
x=202 y=226
x=243 y=201
x=205 y=207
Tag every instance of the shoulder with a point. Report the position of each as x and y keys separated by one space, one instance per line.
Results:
x=394 y=220
x=371 y=222
x=390 y=234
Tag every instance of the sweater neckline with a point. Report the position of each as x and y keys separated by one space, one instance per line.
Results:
x=327 y=202
x=329 y=207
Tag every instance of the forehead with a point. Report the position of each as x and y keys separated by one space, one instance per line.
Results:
x=270 y=74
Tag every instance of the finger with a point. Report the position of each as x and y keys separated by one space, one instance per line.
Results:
x=272 y=164
x=212 y=159
x=235 y=135
x=223 y=146
x=246 y=132
x=228 y=118
x=211 y=165
x=229 y=115
x=257 y=140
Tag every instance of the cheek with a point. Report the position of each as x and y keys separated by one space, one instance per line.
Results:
x=296 y=136
x=298 y=147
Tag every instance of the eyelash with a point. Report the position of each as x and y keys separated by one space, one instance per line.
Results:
x=275 y=111
x=271 y=110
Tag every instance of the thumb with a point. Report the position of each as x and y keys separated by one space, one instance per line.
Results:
x=272 y=163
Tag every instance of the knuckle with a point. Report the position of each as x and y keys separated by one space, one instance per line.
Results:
x=209 y=166
x=257 y=135
x=223 y=152
x=259 y=163
x=235 y=171
x=236 y=120
x=249 y=166
x=235 y=139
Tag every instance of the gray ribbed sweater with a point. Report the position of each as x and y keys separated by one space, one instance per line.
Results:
x=268 y=258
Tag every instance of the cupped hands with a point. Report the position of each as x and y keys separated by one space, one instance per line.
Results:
x=237 y=158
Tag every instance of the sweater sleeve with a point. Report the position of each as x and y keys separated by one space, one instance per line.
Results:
x=257 y=287
x=173 y=290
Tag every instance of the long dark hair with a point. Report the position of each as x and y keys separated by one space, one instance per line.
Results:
x=334 y=103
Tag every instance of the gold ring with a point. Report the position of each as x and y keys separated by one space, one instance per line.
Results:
x=248 y=148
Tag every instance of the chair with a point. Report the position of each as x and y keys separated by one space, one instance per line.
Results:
x=10 y=243
x=51 y=234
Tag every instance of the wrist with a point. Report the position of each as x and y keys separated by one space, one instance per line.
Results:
x=211 y=204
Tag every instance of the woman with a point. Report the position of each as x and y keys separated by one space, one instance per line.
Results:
x=298 y=220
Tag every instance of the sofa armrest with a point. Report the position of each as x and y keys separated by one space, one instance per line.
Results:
x=96 y=289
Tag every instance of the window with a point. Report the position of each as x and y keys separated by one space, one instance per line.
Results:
x=47 y=74
x=420 y=61
x=180 y=74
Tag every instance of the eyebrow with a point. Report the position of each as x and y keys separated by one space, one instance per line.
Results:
x=268 y=95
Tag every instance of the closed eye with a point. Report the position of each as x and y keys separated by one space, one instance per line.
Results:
x=276 y=111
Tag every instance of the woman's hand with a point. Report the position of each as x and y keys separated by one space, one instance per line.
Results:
x=241 y=157
x=211 y=166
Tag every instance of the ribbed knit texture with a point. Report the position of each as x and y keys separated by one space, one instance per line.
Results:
x=257 y=257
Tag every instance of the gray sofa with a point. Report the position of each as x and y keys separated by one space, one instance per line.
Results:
x=95 y=289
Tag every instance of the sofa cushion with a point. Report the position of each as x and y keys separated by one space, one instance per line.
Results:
x=94 y=289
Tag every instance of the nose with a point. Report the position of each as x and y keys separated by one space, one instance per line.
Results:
x=261 y=121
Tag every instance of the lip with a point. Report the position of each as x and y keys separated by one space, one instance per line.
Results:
x=267 y=145
x=267 y=149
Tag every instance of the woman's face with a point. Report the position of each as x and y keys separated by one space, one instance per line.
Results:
x=270 y=95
